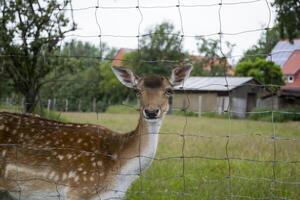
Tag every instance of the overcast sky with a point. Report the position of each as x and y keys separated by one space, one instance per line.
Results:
x=199 y=17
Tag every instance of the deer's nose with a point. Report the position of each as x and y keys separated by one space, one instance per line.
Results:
x=151 y=113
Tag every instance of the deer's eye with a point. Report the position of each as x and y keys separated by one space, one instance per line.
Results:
x=168 y=92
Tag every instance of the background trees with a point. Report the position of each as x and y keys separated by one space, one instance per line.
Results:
x=288 y=18
x=264 y=71
x=162 y=45
x=210 y=56
x=29 y=34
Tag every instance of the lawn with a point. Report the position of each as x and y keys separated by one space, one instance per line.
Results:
x=205 y=173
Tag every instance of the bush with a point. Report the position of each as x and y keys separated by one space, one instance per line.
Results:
x=282 y=115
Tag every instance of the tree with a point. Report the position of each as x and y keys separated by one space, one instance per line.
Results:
x=88 y=80
x=211 y=57
x=263 y=71
x=161 y=45
x=29 y=34
x=288 y=18
x=264 y=46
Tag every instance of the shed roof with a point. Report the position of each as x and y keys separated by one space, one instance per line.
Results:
x=198 y=83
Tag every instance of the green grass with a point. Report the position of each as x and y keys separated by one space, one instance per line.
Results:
x=127 y=109
x=204 y=178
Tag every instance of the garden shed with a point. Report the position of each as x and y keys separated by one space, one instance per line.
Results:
x=213 y=94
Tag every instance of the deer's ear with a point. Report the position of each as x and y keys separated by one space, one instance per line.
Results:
x=125 y=76
x=180 y=74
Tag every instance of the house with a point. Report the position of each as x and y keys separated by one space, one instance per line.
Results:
x=282 y=51
x=207 y=67
x=117 y=61
x=287 y=56
x=216 y=94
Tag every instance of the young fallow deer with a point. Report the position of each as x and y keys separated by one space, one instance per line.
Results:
x=44 y=159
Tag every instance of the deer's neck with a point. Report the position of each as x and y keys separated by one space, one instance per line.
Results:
x=144 y=143
x=140 y=150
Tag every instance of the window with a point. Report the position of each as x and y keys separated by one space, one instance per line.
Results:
x=290 y=79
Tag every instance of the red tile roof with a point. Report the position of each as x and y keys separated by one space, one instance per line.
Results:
x=292 y=66
x=117 y=61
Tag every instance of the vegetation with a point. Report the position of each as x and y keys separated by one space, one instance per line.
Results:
x=207 y=178
x=262 y=70
x=211 y=56
x=264 y=45
x=288 y=18
x=282 y=115
x=28 y=37
x=162 y=45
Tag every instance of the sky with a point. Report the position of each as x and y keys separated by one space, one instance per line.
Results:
x=241 y=21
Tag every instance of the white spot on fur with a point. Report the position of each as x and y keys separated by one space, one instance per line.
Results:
x=56 y=178
x=2 y=127
x=69 y=156
x=99 y=163
x=76 y=178
x=79 y=140
x=71 y=174
x=64 y=176
x=60 y=157
x=51 y=175
x=114 y=156
x=3 y=153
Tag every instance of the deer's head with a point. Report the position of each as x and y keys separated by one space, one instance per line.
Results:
x=153 y=91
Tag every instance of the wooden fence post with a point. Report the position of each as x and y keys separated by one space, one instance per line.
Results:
x=199 y=106
x=94 y=104
x=54 y=104
x=67 y=103
x=49 y=105
x=79 y=105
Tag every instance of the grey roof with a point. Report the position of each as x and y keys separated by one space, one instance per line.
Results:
x=198 y=83
x=282 y=51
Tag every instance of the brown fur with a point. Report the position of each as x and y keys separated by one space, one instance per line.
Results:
x=88 y=150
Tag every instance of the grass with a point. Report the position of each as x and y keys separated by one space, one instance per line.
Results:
x=127 y=109
x=204 y=178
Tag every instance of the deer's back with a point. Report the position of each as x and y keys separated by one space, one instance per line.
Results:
x=42 y=151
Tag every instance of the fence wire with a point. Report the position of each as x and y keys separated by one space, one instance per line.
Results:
x=186 y=192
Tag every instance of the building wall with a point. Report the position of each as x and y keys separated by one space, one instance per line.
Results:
x=242 y=100
x=190 y=101
x=269 y=102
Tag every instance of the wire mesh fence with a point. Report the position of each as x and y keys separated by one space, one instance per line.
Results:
x=198 y=158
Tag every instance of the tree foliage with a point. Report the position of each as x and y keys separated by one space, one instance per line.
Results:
x=29 y=34
x=264 y=46
x=288 y=18
x=90 y=80
x=161 y=45
x=211 y=57
x=263 y=71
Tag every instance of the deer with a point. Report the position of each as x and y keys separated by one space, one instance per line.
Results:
x=48 y=159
